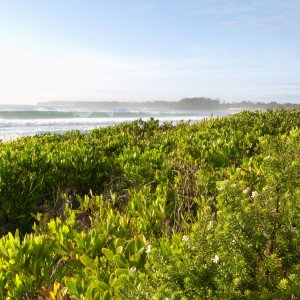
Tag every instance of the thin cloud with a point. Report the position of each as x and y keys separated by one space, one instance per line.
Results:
x=266 y=16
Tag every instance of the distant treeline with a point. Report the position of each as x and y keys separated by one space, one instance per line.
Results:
x=200 y=103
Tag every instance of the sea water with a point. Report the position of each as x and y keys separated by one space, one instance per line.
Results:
x=28 y=120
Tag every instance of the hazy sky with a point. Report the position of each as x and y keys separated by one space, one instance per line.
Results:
x=149 y=50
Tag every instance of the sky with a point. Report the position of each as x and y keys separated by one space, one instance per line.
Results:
x=131 y=50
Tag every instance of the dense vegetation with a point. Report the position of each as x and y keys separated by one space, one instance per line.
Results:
x=147 y=211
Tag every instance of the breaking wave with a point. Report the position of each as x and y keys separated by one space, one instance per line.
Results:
x=25 y=121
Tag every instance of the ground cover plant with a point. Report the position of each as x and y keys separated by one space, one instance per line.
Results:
x=154 y=211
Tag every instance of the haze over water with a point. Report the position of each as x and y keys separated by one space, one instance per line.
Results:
x=19 y=120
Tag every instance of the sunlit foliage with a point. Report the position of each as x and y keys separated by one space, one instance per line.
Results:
x=147 y=211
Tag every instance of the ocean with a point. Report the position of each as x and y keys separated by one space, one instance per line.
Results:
x=28 y=120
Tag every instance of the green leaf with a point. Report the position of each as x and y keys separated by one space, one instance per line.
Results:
x=119 y=250
x=120 y=242
x=106 y=296
x=121 y=271
x=72 y=287
x=112 y=279
x=108 y=253
x=121 y=261
x=103 y=285
x=86 y=261
x=18 y=281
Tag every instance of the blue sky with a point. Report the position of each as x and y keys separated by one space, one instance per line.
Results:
x=149 y=50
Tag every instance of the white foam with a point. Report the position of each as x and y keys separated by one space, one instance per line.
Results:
x=12 y=129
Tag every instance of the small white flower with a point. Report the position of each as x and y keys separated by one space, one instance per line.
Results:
x=186 y=238
x=216 y=259
x=133 y=269
x=148 y=250
x=254 y=194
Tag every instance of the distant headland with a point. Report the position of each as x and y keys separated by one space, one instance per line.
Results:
x=199 y=103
